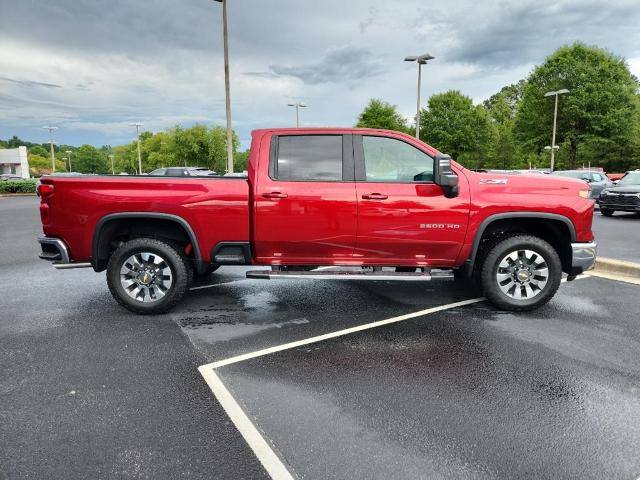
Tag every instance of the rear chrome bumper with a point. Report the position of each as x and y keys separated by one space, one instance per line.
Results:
x=53 y=250
x=584 y=256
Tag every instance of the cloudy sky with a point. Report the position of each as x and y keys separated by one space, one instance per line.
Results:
x=91 y=67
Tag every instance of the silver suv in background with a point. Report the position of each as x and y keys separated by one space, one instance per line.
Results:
x=597 y=180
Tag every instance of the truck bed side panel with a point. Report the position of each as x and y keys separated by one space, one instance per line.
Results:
x=217 y=209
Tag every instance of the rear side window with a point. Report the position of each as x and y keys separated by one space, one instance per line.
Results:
x=309 y=157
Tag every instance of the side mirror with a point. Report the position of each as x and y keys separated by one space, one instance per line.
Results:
x=444 y=175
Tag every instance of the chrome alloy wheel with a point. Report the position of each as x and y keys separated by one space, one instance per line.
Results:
x=522 y=274
x=146 y=277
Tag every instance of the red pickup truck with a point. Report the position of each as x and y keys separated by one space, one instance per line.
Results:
x=369 y=204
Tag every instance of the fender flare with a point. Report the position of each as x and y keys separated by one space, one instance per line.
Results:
x=154 y=215
x=501 y=216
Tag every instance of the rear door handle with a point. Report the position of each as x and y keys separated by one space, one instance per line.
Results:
x=374 y=196
x=274 y=195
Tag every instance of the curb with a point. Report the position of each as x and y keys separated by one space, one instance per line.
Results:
x=17 y=194
x=612 y=266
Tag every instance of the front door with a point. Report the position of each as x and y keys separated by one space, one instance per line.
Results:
x=403 y=216
x=305 y=206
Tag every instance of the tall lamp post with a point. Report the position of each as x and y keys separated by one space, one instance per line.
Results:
x=51 y=142
x=227 y=89
x=112 y=170
x=298 y=106
x=138 y=125
x=421 y=60
x=69 y=152
x=555 y=119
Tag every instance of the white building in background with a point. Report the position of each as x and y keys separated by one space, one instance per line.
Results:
x=14 y=160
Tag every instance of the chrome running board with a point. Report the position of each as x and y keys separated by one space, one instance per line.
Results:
x=352 y=275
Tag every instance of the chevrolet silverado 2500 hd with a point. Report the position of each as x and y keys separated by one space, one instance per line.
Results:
x=381 y=201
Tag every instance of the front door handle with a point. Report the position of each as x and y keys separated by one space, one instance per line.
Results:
x=374 y=196
x=274 y=195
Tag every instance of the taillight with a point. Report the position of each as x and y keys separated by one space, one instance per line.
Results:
x=45 y=190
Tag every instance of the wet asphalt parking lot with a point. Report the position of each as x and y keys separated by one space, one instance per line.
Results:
x=88 y=390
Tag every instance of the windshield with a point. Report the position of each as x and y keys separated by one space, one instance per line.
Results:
x=630 y=179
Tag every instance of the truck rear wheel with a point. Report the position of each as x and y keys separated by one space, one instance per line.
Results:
x=520 y=273
x=148 y=275
x=607 y=212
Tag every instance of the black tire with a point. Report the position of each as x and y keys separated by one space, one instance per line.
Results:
x=207 y=271
x=181 y=273
x=519 y=243
x=607 y=212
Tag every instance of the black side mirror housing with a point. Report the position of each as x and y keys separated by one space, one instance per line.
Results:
x=445 y=176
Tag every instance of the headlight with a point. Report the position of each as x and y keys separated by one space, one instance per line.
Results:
x=584 y=193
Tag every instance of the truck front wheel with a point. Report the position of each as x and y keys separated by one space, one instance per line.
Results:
x=520 y=273
x=148 y=275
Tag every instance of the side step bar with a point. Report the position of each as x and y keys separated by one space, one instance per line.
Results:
x=352 y=275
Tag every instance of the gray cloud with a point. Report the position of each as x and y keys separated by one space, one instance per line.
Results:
x=160 y=61
x=342 y=64
x=524 y=32
x=30 y=83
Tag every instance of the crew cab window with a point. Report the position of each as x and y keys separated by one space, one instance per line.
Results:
x=309 y=157
x=391 y=160
x=596 y=177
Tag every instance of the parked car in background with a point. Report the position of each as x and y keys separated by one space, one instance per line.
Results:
x=596 y=179
x=10 y=176
x=615 y=177
x=183 y=172
x=622 y=197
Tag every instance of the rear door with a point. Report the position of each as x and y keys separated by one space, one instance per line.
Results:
x=305 y=200
x=403 y=216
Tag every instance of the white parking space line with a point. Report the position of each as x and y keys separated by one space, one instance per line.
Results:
x=270 y=461
x=261 y=448
x=340 y=333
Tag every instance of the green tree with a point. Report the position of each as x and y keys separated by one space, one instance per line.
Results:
x=379 y=114
x=453 y=124
x=38 y=150
x=88 y=159
x=41 y=164
x=503 y=150
x=602 y=105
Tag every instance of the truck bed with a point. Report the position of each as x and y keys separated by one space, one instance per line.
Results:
x=78 y=204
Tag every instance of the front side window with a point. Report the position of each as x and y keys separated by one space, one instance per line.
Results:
x=309 y=157
x=391 y=160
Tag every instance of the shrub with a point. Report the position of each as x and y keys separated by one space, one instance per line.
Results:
x=18 y=186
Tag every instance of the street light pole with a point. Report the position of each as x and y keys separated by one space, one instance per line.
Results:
x=112 y=170
x=555 y=118
x=138 y=125
x=53 y=156
x=227 y=89
x=69 y=152
x=421 y=60
x=298 y=105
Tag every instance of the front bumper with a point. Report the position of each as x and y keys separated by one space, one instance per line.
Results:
x=583 y=256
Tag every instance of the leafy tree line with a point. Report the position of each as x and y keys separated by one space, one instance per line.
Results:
x=598 y=121
x=195 y=146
